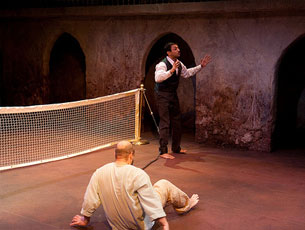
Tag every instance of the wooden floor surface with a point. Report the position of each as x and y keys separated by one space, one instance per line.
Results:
x=237 y=189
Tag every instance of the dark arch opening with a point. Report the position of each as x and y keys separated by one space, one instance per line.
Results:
x=186 y=91
x=67 y=71
x=289 y=131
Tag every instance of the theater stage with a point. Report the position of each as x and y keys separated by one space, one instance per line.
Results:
x=237 y=189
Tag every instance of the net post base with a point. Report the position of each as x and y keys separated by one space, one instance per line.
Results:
x=140 y=142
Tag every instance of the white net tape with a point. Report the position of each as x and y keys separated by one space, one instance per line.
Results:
x=37 y=134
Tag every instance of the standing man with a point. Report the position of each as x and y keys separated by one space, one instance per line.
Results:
x=127 y=196
x=167 y=75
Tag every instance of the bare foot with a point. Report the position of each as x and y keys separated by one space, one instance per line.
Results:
x=194 y=200
x=167 y=156
x=182 y=151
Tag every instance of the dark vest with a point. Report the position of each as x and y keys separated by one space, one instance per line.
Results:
x=171 y=83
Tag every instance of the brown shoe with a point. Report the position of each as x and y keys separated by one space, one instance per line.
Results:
x=167 y=156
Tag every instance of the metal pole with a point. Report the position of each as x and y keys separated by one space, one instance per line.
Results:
x=139 y=141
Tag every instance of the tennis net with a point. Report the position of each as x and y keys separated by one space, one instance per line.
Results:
x=37 y=134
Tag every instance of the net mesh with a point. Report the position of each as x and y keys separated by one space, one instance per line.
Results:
x=36 y=134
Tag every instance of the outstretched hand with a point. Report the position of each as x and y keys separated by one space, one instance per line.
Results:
x=79 y=220
x=204 y=61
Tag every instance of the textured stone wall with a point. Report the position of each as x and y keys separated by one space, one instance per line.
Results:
x=234 y=94
x=235 y=102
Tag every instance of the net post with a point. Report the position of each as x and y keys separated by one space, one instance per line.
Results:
x=138 y=140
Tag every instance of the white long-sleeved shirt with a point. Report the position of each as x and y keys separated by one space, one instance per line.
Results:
x=127 y=196
x=161 y=73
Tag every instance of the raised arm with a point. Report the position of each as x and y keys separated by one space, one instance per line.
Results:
x=161 y=73
x=186 y=73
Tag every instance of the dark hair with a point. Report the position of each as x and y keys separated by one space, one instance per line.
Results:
x=168 y=46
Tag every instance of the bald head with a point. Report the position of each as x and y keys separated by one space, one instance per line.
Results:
x=123 y=149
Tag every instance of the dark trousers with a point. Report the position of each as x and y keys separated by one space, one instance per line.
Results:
x=170 y=116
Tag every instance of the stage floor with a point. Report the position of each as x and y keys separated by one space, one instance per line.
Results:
x=237 y=189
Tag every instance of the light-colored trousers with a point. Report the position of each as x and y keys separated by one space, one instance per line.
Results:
x=170 y=194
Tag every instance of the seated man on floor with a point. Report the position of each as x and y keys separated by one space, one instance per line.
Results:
x=127 y=196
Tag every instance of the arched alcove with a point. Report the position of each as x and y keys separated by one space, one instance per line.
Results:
x=290 y=97
x=67 y=70
x=186 y=90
